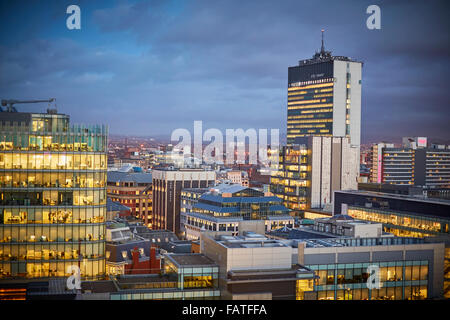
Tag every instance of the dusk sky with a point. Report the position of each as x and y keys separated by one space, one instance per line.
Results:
x=149 y=67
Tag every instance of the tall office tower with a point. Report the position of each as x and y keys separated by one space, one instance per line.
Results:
x=52 y=196
x=324 y=97
x=167 y=185
x=312 y=169
x=420 y=166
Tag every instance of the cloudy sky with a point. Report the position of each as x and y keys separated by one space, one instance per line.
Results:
x=149 y=67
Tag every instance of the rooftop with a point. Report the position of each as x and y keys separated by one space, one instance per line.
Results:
x=191 y=259
x=98 y=286
x=115 y=206
x=397 y=196
x=360 y=242
x=323 y=56
x=248 y=240
x=138 y=177
x=300 y=233
x=227 y=188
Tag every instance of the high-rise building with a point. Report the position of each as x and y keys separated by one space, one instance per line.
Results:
x=312 y=168
x=167 y=186
x=52 y=196
x=324 y=97
x=413 y=164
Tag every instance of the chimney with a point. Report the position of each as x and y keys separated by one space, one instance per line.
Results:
x=152 y=253
x=135 y=255
x=155 y=264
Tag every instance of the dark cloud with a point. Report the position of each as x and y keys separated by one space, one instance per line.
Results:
x=153 y=66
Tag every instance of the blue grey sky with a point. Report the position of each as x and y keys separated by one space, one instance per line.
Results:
x=149 y=67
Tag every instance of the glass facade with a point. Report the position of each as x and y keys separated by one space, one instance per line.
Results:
x=52 y=198
x=301 y=286
x=216 y=212
x=169 y=295
x=402 y=224
x=290 y=181
x=310 y=110
x=179 y=283
x=400 y=280
x=194 y=277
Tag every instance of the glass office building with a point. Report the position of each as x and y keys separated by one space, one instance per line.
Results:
x=408 y=268
x=292 y=178
x=53 y=196
x=401 y=215
x=310 y=170
x=401 y=280
x=184 y=277
x=223 y=207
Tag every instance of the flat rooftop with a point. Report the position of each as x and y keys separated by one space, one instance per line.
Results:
x=105 y=286
x=300 y=233
x=141 y=279
x=192 y=259
x=249 y=240
x=359 y=242
x=396 y=196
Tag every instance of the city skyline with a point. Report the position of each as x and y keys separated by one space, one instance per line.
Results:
x=147 y=68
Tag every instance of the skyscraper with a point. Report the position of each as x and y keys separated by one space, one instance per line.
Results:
x=324 y=97
x=52 y=196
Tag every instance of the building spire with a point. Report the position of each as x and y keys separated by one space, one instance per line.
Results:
x=322 y=50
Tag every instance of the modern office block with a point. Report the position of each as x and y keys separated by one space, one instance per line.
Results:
x=183 y=277
x=167 y=186
x=409 y=268
x=52 y=196
x=254 y=267
x=225 y=207
x=324 y=97
x=412 y=164
x=400 y=214
x=310 y=170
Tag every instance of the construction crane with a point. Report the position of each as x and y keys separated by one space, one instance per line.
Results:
x=9 y=104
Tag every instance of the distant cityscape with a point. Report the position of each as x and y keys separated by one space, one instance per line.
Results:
x=85 y=215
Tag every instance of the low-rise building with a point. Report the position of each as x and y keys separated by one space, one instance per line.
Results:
x=134 y=190
x=183 y=277
x=127 y=253
x=116 y=210
x=402 y=215
x=253 y=267
x=408 y=268
x=225 y=207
